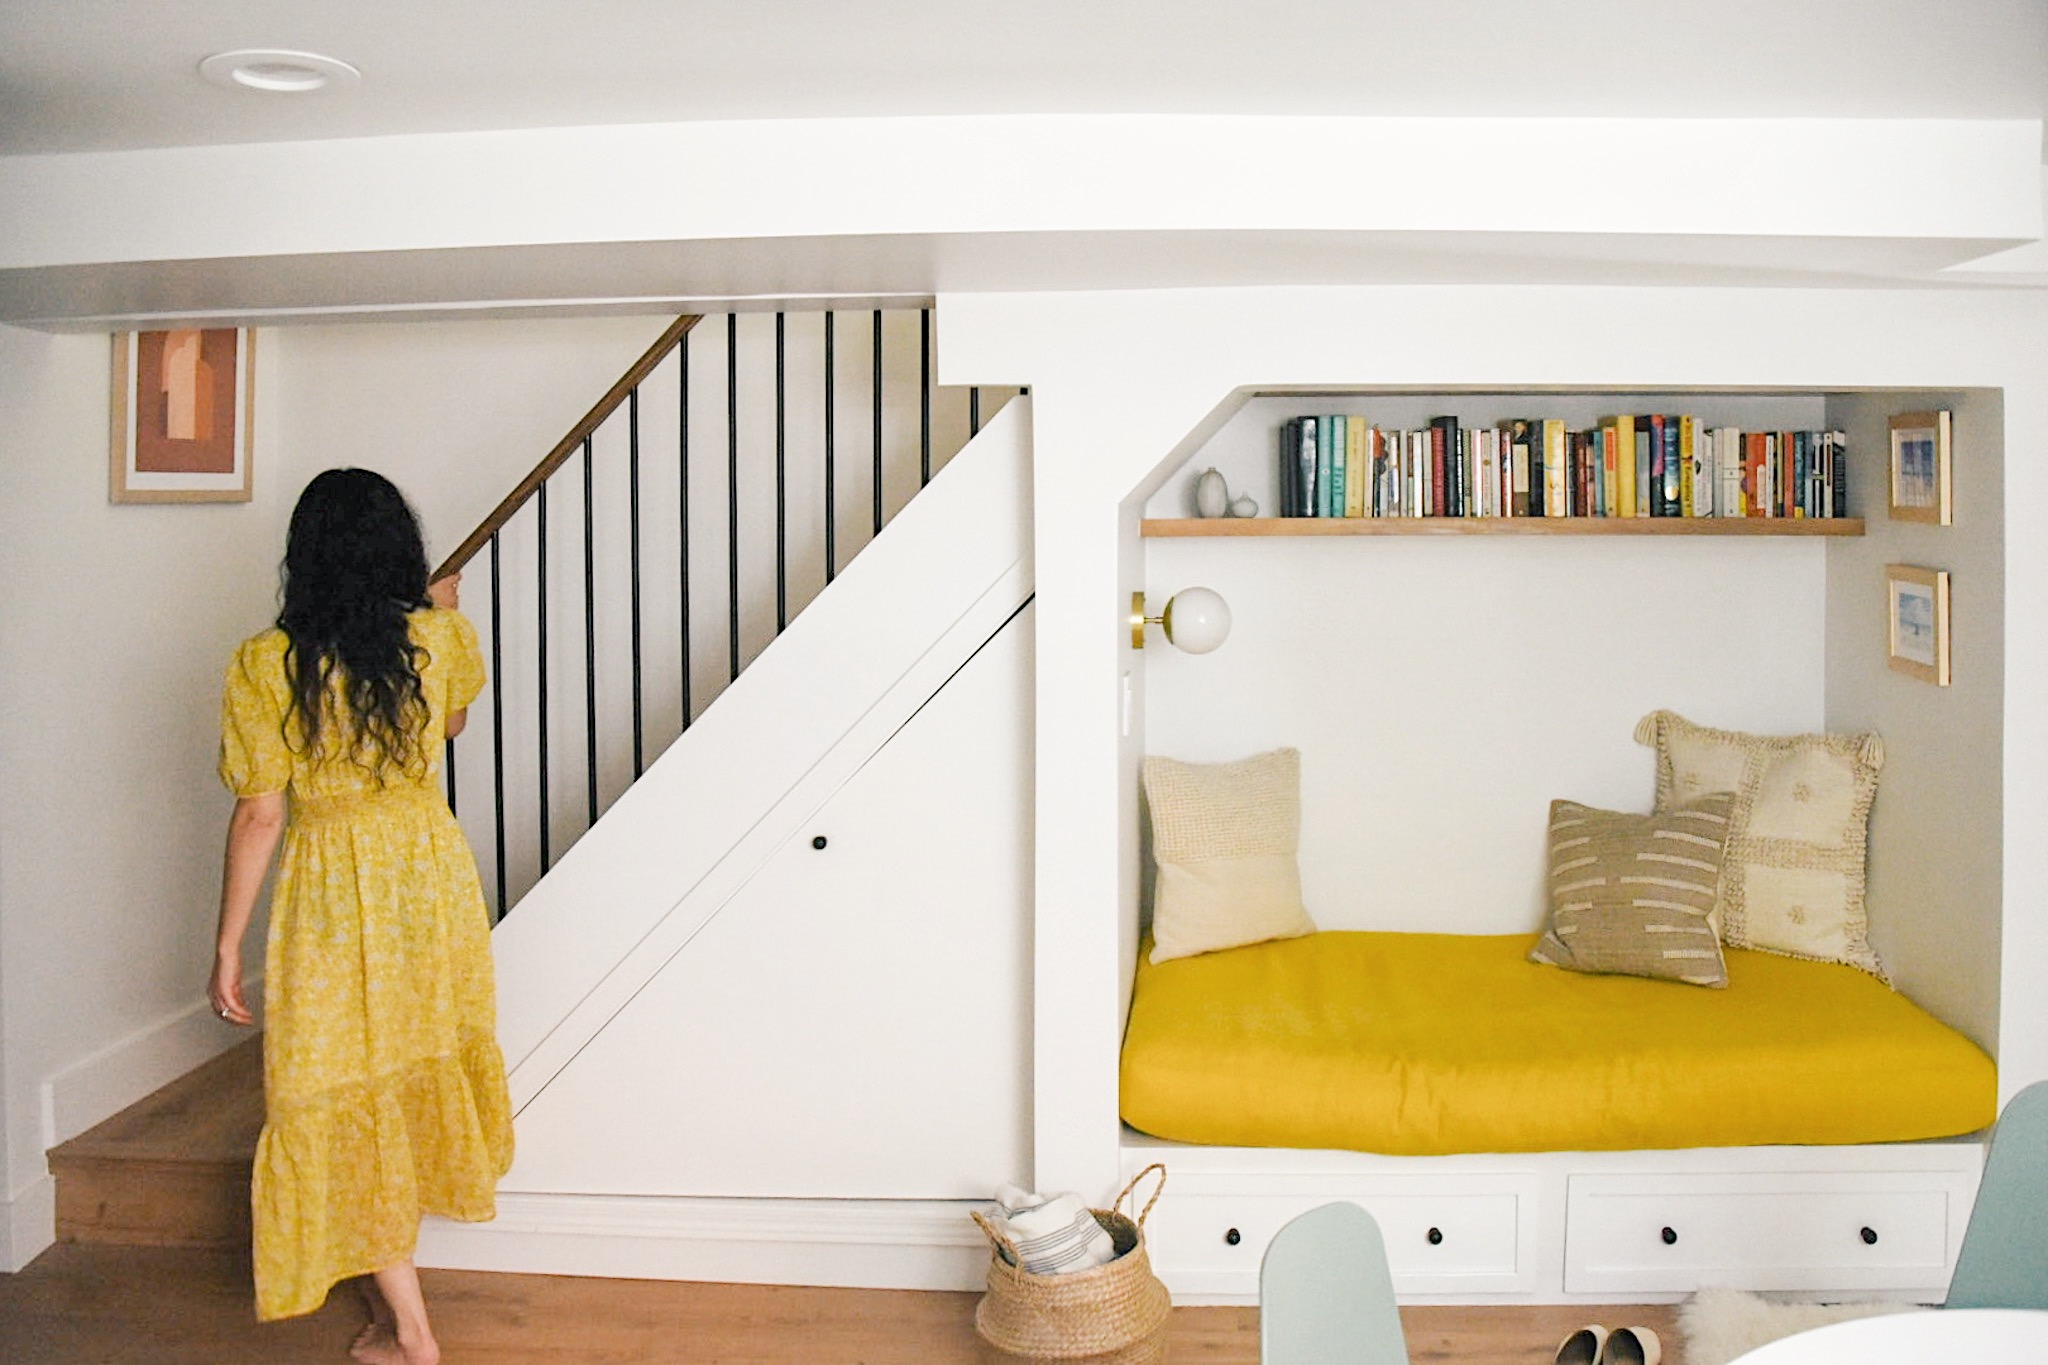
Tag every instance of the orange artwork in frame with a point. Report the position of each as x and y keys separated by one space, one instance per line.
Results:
x=183 y=405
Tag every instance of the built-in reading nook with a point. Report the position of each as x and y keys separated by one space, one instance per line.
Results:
x=1478 y=704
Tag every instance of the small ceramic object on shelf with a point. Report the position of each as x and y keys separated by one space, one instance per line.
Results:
x=1212 y=496
x=1244 y=507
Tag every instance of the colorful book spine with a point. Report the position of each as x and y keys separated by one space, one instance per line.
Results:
x=1290 y=442
x=1838 y=480
x=1554 y=504
x=1697 y=492
x=1517 y=436
x=1671 y=473
x=1305 y=457
x=1610 y=473
x=1356 y=465
x=1624 y=429
x=1728 y=468
x=1450 y=496
x=1758 y=482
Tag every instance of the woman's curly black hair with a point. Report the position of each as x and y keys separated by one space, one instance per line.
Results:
x=354 y=568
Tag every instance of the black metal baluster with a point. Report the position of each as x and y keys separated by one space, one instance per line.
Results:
x=924 y=397
x=781 y=485
x=498 y=727
x=831 y=507
x=448 y=770
x=541 y=504
x=974 y=411
x=878 y=421
x=683 y=513
x=732 y=490
x=589 y=628
x=633 y=518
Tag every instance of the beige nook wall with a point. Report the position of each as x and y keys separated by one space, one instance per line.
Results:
x=116 y=624
x=1936 y=832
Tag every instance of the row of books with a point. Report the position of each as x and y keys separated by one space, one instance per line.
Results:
x=1652 y=465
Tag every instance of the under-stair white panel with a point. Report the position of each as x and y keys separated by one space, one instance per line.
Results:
x=951 y=566
x=853 y=1020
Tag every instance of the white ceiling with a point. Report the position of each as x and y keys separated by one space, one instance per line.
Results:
x=78 y=75
x=83 y=76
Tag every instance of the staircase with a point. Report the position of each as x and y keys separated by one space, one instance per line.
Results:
x=171 y=1170
x=782 y=1016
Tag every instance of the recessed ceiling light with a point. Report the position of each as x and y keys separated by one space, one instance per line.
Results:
x=277 y=71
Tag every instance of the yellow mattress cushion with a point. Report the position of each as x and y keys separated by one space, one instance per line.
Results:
x=1428 y=1044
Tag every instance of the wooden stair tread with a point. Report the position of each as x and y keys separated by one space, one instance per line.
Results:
x=208 y=1116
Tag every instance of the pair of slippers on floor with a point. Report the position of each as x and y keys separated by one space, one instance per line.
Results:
x=1596 y=1345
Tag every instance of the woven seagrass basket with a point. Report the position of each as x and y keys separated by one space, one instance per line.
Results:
x=1115 y=1310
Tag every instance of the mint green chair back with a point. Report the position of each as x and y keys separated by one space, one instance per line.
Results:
x=2004 y=1258
x=1326 y=1296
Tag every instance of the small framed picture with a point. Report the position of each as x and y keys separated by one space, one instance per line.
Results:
x=1916 y=605
x=182 y=408
x=1920 y=468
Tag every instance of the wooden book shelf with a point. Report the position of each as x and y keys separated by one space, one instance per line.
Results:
x=1163 y=527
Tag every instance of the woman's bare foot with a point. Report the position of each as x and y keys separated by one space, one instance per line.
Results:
x=380 y=1345
x=379 y=1309
x=403 y=1337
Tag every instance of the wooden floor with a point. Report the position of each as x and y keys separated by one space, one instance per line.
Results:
x=152 y=1268
x=82 y=1304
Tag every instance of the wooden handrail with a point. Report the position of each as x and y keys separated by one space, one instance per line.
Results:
x=591 y=421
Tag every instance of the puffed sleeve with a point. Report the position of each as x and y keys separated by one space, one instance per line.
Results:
x=464 y=661
x=254 y=759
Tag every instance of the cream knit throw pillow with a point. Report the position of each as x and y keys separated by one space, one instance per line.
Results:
x=1793 y=881
x=1225 y=836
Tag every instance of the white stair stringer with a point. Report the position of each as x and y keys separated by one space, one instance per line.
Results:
x=737 y=1055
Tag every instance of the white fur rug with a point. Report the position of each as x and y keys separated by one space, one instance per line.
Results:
x=1721 y=1324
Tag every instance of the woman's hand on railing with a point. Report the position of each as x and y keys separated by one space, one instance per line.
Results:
x=446 y=592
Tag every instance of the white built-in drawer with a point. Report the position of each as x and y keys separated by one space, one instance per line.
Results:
x=1471 y=1242
x=1792 y=1230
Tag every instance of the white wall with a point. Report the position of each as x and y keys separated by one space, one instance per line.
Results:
x=1101 y=455
x=1444 y=691
x=116 y=625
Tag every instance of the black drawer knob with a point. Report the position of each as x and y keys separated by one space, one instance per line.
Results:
x=1670 y=1237
x=1232 y=1237
x=1870 y=1237
x=818 y=842
x=1436 y=1237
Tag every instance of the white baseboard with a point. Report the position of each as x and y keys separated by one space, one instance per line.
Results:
x=28 y=1223
x=103 y=1084
x=862 y=1244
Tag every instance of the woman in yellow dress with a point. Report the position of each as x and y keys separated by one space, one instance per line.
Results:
x=384 y=1090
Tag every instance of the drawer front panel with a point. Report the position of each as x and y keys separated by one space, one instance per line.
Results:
x=1212 y=1243
x=1768 y=1232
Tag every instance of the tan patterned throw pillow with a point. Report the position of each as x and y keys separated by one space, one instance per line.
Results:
x=1797 y=834
x=1225 y=837
x=1633 y=894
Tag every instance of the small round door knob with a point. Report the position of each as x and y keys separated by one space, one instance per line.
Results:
x=1870 y=1237
x=1436 y=1237
x=818 y=842
x=1232 y=1237
x=1670 y=1237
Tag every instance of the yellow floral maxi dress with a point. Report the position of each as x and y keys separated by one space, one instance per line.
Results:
x=384 y=1090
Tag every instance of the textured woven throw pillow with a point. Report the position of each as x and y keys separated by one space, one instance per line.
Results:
x=1634 y=894
x=1796 y=837
x=1225 y=836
